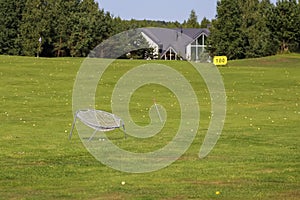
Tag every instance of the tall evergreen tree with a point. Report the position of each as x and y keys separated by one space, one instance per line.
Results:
x=10 y=18
x=67 y=28
x=225 y=37
x=62 y=26
x=286 y=24
x=90 y=27
x=244 y=29
x=257 y=37
x=192 y=21
x=205 y=23
x=36 y=24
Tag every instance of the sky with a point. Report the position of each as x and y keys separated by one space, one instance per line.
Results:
x=164 y=10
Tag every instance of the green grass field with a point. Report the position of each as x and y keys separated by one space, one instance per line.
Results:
x=256 y=157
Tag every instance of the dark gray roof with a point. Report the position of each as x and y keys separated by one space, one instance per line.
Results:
x=193 y=32
x=178 y=39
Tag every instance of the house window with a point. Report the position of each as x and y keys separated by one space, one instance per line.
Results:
x=198 y=47
x=170 y=54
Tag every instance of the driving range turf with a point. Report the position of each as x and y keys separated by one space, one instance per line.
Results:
x=256 y=157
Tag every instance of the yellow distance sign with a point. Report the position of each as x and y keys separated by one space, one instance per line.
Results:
x=220 y=60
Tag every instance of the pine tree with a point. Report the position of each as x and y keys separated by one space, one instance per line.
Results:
x=286 y=24
x=243 y=29
x=10 y=18
x=90 y=26
x=62 y=26
x=192 y=21
x=225 y=37
x=205 y=23
x=36 y=24
x=256 y=35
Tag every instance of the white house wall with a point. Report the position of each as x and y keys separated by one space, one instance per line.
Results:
x=188 y=52
x=189 y=46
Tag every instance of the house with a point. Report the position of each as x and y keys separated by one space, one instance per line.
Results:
x=173 y=44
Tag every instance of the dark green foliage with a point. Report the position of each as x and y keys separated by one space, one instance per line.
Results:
x=205 y=23
x=286 y=23
x=36 y=23
x=87 y=30
x=255 y=28
x=67 y=28
x=64 y=11
x=10 y=16
x=242 y=28
x=225 y=38
x=257 y=36
x=192 y=22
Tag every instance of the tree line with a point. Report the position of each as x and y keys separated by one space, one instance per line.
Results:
x=60 y=28
x=255 y=28
x=241 y=29
x=52 y=27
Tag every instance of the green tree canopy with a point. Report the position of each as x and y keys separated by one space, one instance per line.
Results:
x=242 y=28
x=10 y=19
x=192 y=21
x=205 y=23
x=225 y=37
x=285 y=24
x=254 y=28
x=67 y=28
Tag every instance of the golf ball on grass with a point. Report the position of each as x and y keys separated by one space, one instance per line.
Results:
x=218 y=192
x=123 y=182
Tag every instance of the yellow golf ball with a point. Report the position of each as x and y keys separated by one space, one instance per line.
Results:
x=218 y=192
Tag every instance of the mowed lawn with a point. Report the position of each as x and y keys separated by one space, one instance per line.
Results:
x=256 y=157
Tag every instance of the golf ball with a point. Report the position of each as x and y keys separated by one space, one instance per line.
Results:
x=123 y=182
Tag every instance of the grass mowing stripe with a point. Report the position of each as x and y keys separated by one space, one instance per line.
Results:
x=257 y=156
